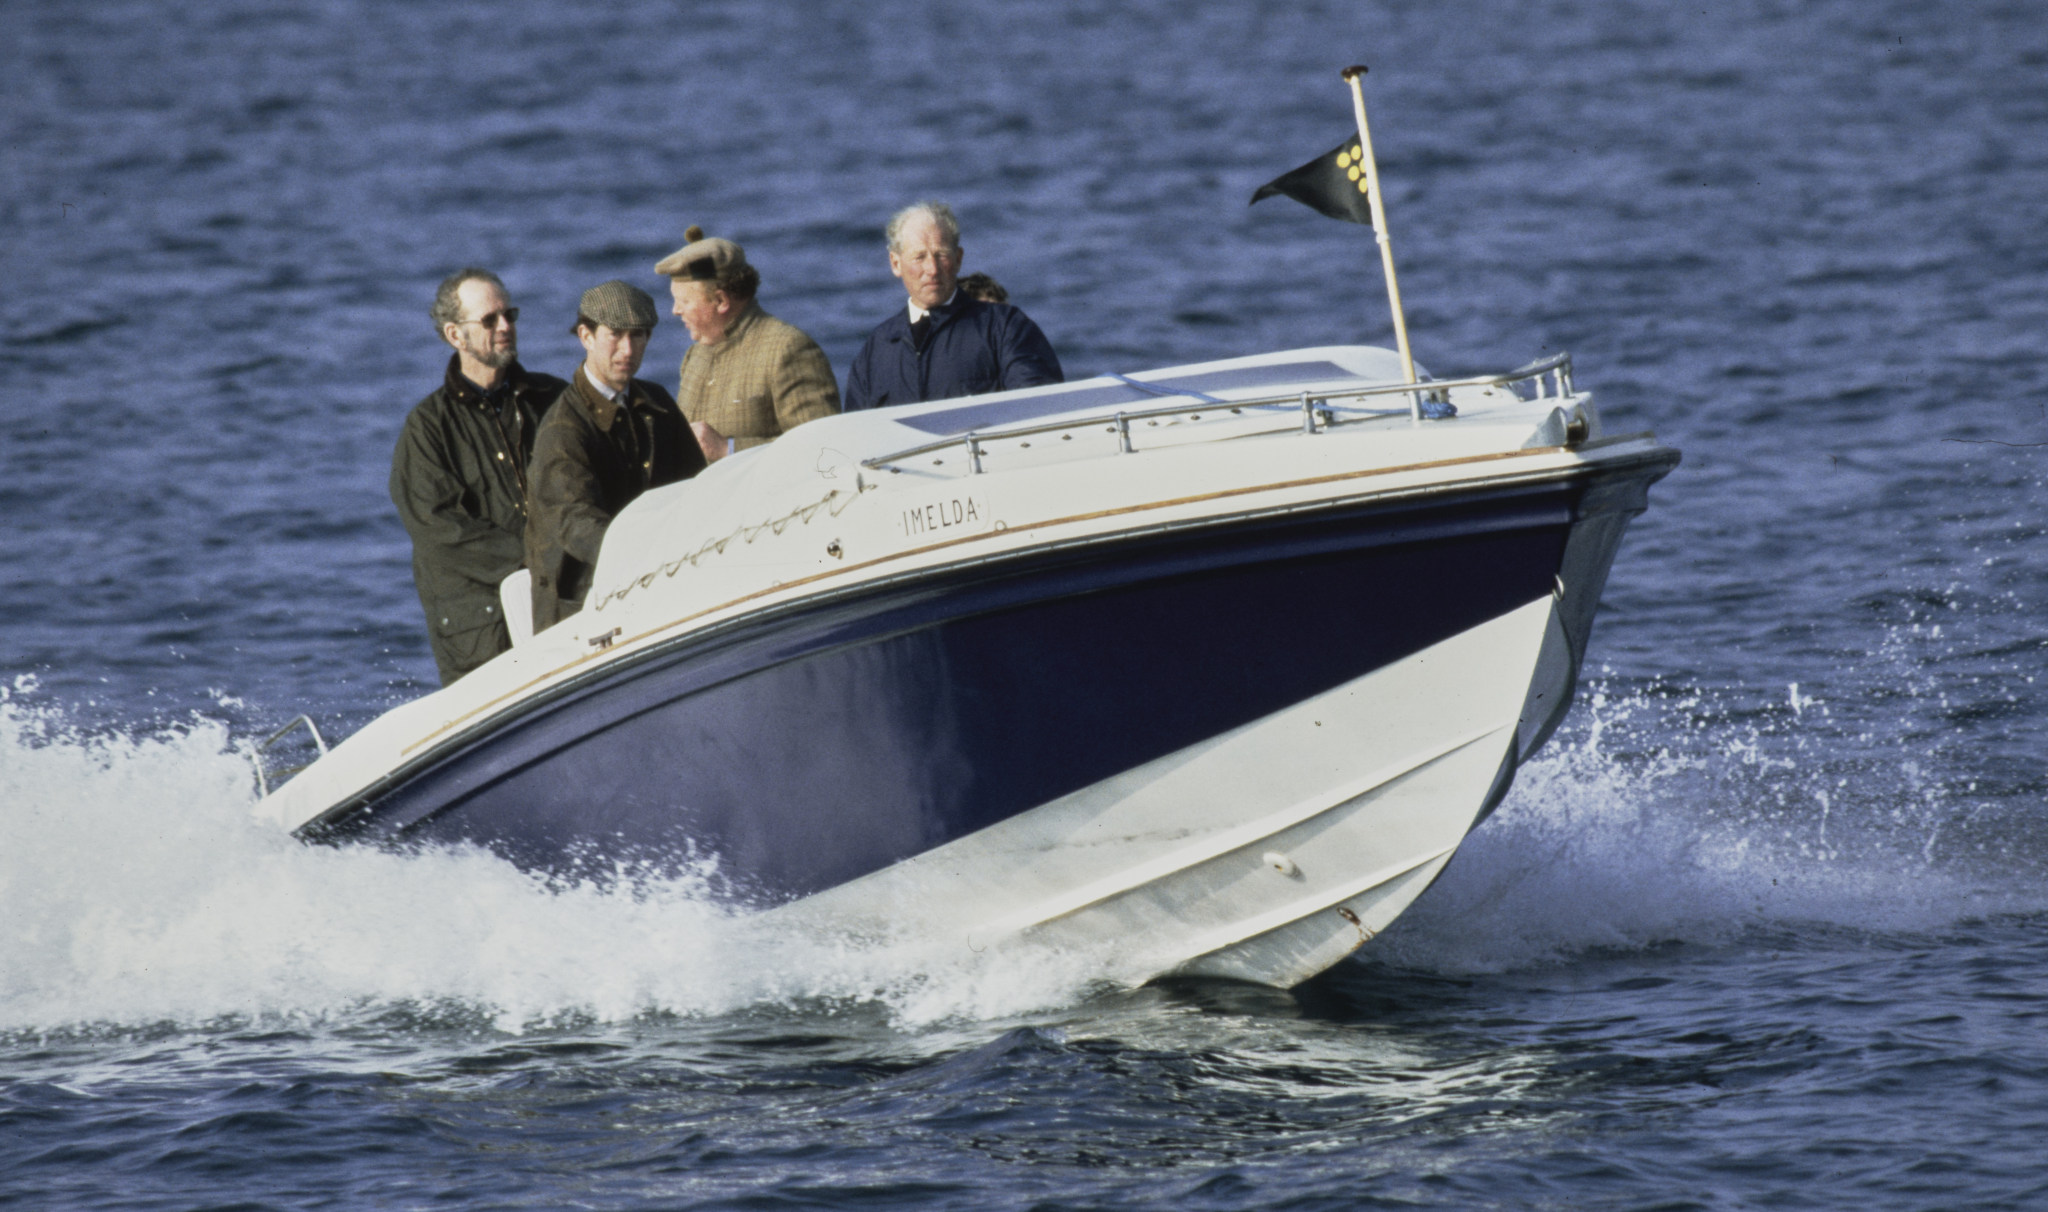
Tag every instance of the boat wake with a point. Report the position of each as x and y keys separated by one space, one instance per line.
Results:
x=1657 y=817
x=139 y=890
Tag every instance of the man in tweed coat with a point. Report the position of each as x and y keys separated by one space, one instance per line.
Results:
x=748 y=378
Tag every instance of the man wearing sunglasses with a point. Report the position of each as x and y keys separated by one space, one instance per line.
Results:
x=458 y=476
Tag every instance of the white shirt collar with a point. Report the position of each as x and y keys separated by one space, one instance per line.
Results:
x=918 y=313
x=606 y=392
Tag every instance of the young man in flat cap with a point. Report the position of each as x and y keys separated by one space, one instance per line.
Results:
x=608 y=438
x=748 y=378
x=945 y=343
x=458 y=475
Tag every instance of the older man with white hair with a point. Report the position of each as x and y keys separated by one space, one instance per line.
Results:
x=944 y=343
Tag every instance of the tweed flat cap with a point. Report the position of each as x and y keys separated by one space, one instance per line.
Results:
x=702 y=260
x=618 y=305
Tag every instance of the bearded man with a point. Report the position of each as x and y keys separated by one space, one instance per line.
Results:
x=458 y=476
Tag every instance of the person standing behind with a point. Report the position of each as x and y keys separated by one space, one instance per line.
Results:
x=748 y=376
x=458 y=475
x=606 y=440
x=944 y=344
x=985 y=288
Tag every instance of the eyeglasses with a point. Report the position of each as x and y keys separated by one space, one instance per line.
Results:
x=509 y=317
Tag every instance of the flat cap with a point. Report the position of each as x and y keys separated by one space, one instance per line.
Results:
x=618 y=305
x=702 y=260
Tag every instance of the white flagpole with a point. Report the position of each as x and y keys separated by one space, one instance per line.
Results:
x=1379 y=227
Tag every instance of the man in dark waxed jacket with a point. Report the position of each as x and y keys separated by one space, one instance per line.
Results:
x=458 y=475
x=943 y=344
x=609 y=438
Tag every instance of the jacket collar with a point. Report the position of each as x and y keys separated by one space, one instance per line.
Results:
x=942 y=315
x=462 y=391
x=735 y=332
x=917 y=313
x=601 y=410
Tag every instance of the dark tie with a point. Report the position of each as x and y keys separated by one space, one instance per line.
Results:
x=920 y=331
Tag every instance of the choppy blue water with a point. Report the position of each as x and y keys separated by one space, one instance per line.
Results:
x=1764 y=928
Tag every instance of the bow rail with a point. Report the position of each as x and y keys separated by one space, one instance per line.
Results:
x=1552 y=377
x=256 y=754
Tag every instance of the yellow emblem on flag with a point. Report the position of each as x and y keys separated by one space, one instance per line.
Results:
x=1335 y=183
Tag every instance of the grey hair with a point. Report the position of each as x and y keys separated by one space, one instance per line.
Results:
x=938 y=212
x=447 y=308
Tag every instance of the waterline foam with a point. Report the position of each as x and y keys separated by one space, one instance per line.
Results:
x=139 y=888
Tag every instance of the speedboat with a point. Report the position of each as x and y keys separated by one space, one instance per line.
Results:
x=1207 y=669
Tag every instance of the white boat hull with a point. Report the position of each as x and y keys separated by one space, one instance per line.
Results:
x=1265 y=854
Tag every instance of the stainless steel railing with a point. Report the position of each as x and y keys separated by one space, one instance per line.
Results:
x=1551 y=377
x=263 y=746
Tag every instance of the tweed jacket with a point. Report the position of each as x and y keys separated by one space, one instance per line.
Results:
x=590 y=459
x=763 y=380
x=458 y=480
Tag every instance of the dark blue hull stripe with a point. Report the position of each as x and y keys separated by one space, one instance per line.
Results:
x=814 y=748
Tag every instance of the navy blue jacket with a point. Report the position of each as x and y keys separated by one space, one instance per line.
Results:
x=973 y=347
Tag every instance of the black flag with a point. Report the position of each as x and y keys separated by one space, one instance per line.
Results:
x=1333 y=184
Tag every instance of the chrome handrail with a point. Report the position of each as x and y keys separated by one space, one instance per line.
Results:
x=263 y=746
x=1557 y=368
